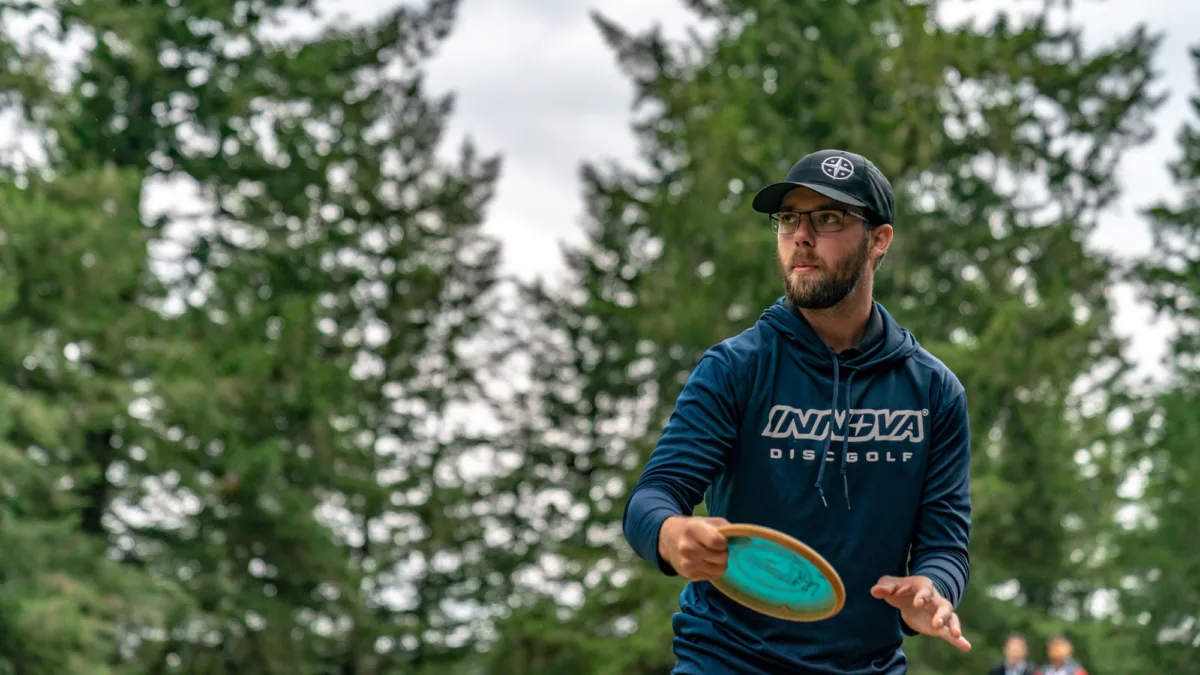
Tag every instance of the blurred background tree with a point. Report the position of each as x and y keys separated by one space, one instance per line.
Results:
x=299 y=479
x=73 y=271
x=1159 y=559
x=296 y=422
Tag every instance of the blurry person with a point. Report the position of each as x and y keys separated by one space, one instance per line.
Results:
x=1016 y=651
x=827 y=421
x=1060 y=651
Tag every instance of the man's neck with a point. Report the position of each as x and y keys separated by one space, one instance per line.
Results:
x=842 y=326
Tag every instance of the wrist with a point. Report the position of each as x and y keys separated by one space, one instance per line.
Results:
x=937 y=584
x=666 y=536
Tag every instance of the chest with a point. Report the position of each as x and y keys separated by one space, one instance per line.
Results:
x=878 y=425
x=819 y=467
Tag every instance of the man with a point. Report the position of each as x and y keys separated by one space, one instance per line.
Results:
x=824 y=374
x=1016 y=650
x=1060 y=651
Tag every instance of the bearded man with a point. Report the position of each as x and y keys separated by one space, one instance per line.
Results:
x=827 y=421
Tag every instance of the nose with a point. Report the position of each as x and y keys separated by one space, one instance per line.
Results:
x=805 y=234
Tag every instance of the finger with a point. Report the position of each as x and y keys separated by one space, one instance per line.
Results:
x=697 y=542
x=884 y=586
x=706 y=557
x=922 y=596
x=708 y=537
x=942 y=612
x=692 y=548
x=715 y=571
x=704 y=572
x=698 y=557
x=955 y=625
x=905 y=588
x=959 y=642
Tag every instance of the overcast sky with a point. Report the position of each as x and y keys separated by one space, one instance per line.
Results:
x=535 y=82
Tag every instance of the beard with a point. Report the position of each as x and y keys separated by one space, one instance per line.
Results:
x=828 y=286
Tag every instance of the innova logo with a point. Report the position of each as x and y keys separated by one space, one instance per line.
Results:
x=865 y=425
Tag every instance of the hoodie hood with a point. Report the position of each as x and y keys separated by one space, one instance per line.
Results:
x=893 y=347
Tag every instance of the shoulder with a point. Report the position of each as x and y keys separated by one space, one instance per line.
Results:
x=939 y=382
x=736 y=360
x=741 y=352
x=943 y=383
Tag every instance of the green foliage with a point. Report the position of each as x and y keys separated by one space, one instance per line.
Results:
x=73 y=259
x=300 y=475
x=1158 y=554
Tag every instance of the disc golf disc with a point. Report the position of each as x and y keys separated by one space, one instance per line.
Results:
x=779 y=576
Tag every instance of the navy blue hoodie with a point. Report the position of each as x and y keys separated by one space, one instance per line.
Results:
x=891 y=498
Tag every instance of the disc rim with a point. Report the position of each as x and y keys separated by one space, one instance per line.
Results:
x=798 y=547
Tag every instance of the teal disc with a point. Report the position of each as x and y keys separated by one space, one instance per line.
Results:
x=777 y=576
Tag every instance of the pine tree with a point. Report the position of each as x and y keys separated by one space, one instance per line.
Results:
x=303 y=483
x=988 y=269
x=1159 y=552
x=580 y=426
x=74 y=267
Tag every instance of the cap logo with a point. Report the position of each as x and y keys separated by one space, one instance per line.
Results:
x=837 y=168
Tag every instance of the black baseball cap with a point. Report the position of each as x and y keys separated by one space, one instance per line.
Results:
x=837 y=174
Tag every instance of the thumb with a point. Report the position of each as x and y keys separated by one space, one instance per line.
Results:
x=716 y=521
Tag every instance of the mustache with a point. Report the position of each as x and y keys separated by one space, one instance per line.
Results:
x=797 y=261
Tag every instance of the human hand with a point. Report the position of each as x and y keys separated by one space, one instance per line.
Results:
x=693 y=547
x=922 y=608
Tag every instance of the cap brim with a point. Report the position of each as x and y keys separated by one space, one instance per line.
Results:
x=769 y=199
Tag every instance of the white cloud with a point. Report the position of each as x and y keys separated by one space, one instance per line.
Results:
x=535 y=82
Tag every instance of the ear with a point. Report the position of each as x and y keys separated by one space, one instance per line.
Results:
x=881 y=239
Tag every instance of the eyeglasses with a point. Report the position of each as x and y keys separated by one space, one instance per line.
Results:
x=822 y=220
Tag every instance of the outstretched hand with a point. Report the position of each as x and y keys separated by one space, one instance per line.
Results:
x=922 y=608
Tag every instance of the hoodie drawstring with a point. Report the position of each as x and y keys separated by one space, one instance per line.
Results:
x=846 y=439
x=833 y=408
x=896 y=345
x=829 y=436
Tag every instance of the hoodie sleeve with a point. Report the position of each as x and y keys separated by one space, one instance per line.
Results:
x=939 y=547
x=692 y=451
